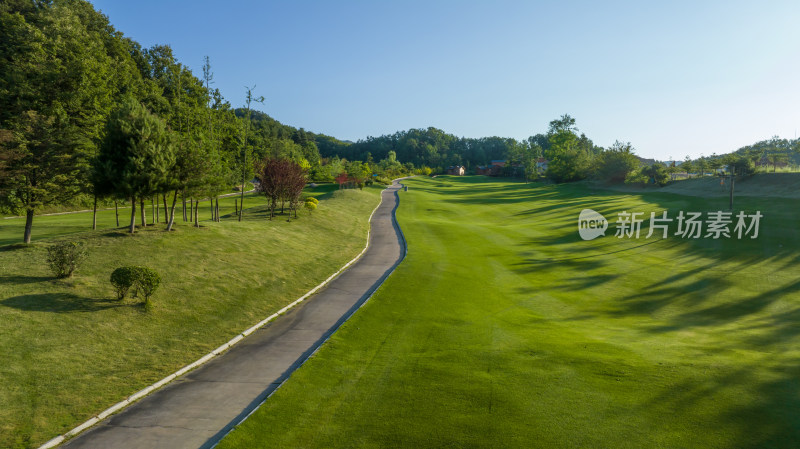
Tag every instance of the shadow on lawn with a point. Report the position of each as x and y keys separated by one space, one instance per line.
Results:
x=60 y=303
x=13 y=246
x=19 y=280
x=766 y=417
x=705 y=295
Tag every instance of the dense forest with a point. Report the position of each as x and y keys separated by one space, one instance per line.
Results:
x=89 y=116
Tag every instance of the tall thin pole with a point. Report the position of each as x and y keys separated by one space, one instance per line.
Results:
x=248 y=99
x=732 y=178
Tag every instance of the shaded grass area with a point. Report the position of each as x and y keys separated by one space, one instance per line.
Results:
x=84 y=202
x=49 y=226
x=70 y=349
x=502 y=328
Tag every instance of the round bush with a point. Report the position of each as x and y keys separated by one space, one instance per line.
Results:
x=143 y=280
x=123 y=279
x=147 y=281
x=64 y=258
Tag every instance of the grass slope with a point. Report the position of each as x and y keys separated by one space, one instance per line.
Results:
x=503 y=329
x=70 y=350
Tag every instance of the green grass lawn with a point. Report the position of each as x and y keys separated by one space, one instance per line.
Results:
x=69 y=349
x=502 y=328
x=50 y=226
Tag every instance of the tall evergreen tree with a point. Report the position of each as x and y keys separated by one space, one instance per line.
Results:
x=136 y=156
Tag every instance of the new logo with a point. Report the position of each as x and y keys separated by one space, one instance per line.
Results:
x=591 y=224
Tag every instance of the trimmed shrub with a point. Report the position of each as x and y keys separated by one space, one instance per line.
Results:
x=123 y=279
x=310 y=206
x=146 y=283
x=64 y=258
x=143 y=280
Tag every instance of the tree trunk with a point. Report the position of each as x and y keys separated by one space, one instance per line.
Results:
x=216 y=209
x=144 y=213
x=28 y=225
x=94 y=213
x=116 y=211
x=132 y=228
x=196 y=208
x=172 y=212
x=155 y=210
x=166 y=215
x=184 y=206
x=241 y=203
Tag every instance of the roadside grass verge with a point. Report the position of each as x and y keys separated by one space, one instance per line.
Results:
x=502 y=328
x=70 y=349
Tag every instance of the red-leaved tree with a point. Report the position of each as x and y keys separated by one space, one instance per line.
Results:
x=342 y=179
x=281 y=180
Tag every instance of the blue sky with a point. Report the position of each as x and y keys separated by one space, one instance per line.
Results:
x=673 y=78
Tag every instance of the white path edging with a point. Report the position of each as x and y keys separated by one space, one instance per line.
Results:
x=144 y=392
x=405 y=253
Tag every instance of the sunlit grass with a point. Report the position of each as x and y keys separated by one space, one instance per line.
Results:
x=70 y=350
x=502 y=328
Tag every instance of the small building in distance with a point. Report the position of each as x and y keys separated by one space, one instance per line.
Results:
x=456 y=170
x=495 y=168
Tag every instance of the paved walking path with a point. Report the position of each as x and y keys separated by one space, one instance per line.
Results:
x=200 y=408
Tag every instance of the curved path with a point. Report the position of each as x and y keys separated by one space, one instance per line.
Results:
x=197 y=410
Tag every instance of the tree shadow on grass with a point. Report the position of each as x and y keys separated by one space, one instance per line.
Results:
x=533 y=265
x=118 y=232
x=775 y=328
x=19 y=280
x=60 y=303
x=769 y=421
x=15 y=246
x=261 y=213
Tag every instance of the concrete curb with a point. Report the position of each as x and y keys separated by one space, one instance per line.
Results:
x=405 y=253
x=147 y=390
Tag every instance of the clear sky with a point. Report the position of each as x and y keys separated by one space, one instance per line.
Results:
x=674 y=78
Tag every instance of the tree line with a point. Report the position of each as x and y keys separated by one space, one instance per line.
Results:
x=89 y=115
x=569 y=154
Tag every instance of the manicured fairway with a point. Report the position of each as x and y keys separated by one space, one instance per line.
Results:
x=69 y=349
x=502 y=328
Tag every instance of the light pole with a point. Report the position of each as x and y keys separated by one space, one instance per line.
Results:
x=731 y=168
